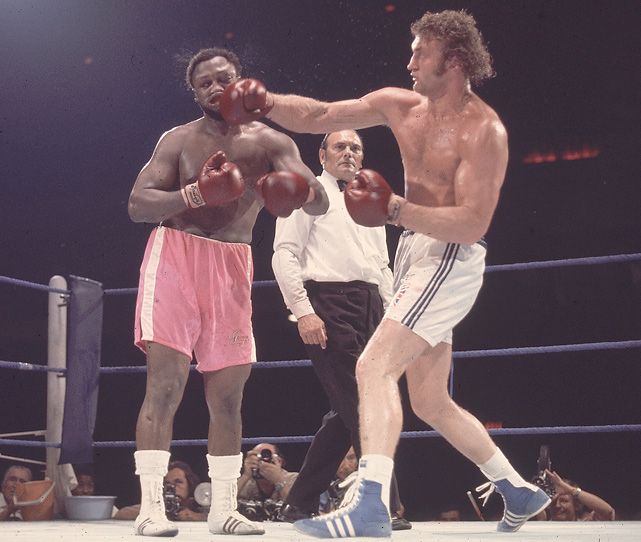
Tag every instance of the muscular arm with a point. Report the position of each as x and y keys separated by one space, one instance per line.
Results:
x=156 y=195
x=477 y=184
x=284 y=156
x=306 y=115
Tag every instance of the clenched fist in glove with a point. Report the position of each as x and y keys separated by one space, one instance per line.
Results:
x=243 y=101
x=367 y=198
x=219 y=183
x=283 y=191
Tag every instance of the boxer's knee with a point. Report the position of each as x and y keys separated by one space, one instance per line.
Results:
x=224 y=403
x=163 y=399
x=370 y=370
x=433 y=410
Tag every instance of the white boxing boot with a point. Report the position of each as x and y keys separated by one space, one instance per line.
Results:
x=224 y=517
x=151 y=466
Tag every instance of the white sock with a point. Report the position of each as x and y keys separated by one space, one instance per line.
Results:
x=498 y=468
x=151 y=466
x=224 y=471
x=377 y=468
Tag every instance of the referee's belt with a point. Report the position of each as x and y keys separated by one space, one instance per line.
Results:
x=481 y=241
x=338 y=287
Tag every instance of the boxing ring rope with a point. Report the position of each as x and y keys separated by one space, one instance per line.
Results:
x=58 y=296
x=463 y=354
x=56 y=367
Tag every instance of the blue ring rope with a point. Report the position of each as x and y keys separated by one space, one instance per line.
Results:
x=32 y=285
x=302 y=363
x=299 y=439
x=497 y=352
x=590 y=260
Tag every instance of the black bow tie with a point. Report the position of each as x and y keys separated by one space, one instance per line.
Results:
x=341 y=184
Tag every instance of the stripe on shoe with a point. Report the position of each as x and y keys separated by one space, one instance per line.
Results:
x=230 y=525
x=142 y=526
x=514 y=519
x=349 y=526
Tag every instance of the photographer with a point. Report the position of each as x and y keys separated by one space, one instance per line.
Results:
x=264 y=480
x=571 y=503
x=179 y=484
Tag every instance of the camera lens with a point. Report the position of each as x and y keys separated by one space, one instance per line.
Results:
x=266 y=455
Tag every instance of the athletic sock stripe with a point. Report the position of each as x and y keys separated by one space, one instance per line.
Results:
x=444 y=268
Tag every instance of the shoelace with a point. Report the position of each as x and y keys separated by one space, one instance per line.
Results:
x=158 y=501
x=351 y=486
x=489 y=488
x=346 y=503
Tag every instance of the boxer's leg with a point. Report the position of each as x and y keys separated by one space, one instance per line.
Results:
x=224 y=394
x=385 y=358
x=167 y=373
x=427 y=385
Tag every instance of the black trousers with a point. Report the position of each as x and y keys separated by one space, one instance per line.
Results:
x=351 y=311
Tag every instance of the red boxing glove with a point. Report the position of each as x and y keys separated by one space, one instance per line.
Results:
x=283 y=191
x=243 y=101
x=219 y=183
x=367 y=198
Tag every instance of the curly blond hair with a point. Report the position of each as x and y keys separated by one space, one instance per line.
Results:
x=461 y=41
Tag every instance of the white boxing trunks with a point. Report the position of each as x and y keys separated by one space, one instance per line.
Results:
x=435 y=284
x=194 y=295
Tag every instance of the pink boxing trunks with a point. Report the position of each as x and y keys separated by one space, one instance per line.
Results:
x=194 y=296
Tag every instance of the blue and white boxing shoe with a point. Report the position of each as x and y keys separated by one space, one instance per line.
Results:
x=365 y=515
x=521 y=503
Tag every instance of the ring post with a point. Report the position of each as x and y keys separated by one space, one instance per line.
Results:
x=56 y=359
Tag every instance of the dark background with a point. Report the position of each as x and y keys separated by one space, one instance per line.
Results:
x=86 y=89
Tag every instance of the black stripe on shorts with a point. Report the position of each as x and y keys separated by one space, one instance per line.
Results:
x=444 y=268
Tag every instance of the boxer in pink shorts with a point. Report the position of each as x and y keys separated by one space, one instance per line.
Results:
x=210 y=318
x=205 y=183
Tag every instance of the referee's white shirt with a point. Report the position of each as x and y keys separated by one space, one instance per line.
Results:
x=328 y=248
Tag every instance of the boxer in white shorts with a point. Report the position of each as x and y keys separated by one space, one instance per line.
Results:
x=454 y=149
x=435 y=284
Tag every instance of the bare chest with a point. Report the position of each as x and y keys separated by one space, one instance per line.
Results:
x=232 y=222
x=242 y=150
x=430 y=154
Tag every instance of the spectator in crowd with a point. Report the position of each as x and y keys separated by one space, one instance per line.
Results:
x=449 y=513
x=86 y=481
x=571 y=503
x=180 y=505
x=332 y=498
x=264 y=476
x=13 y=475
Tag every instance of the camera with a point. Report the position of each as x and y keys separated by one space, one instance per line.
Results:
x=172 y=501
x=544 y=463
x=266 y=510
x=266 y=456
